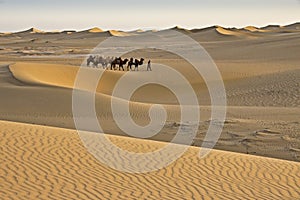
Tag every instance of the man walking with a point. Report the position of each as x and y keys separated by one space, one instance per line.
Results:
x=149 y=66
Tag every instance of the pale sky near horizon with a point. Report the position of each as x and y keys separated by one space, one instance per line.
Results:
x=19 y=15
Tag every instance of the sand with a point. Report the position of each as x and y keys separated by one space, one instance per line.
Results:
x=40 y=162
x=95 y=30
x=258 y=152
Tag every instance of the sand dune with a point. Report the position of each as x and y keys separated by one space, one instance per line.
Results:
x=118 y=33
x=260 y=69
x=138 y=31
x=272 y=27
x=50 y=163
x=64 y=76
x=251 y=28
x=235 y=32
x=52 y=105
x=99 y=32
x=249 y=84
x=32 y=30
x=180 y=29
x=210 y=34
x=249 y=31
x=95 y=30
x=224 y=31
x=46 y=74
x=295 y=26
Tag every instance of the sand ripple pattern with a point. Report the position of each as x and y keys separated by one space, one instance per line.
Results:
x=39 y=162
x=280 y=89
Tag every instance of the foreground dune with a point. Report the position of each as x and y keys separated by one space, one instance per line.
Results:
x=39 y=162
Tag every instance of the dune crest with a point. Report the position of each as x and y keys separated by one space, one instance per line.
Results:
x=224 y=31
x=118 y=33
x=39 y=74
x=32 y=30
x=251 y=28
x=180 y=29
x=95 y=30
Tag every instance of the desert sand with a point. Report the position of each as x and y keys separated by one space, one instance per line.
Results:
x=40 y=162
x=43 y=157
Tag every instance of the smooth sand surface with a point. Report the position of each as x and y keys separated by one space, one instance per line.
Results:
x=39 y=162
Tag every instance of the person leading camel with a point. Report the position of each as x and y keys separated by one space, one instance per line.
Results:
x=149 y=66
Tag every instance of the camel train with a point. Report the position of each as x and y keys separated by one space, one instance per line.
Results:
x=115 y=63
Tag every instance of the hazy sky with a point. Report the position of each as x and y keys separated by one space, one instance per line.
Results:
x=146 y=14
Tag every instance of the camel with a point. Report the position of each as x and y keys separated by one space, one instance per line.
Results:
x=91 y=59
x=118 y=61
x=136 y=63
x=107 y=61
x=114 y=62
x=103 y=61
x=130 y=63
x=96 y=60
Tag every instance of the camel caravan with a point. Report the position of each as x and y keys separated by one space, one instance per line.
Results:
x=116 y=63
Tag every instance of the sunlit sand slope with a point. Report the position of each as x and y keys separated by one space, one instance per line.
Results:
x=38 y=162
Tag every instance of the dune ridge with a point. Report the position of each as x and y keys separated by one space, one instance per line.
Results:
x=34 y=30
x=291 y=28
x=95 y=30
x=118 y=33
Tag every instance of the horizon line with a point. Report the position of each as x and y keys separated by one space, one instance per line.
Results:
x=149 y=29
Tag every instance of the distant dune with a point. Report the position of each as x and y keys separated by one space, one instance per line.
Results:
x=118 y=33
x=239 y=32
x=224 y=31
x=251 y=28
x=32 y=30
x=95 y=30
